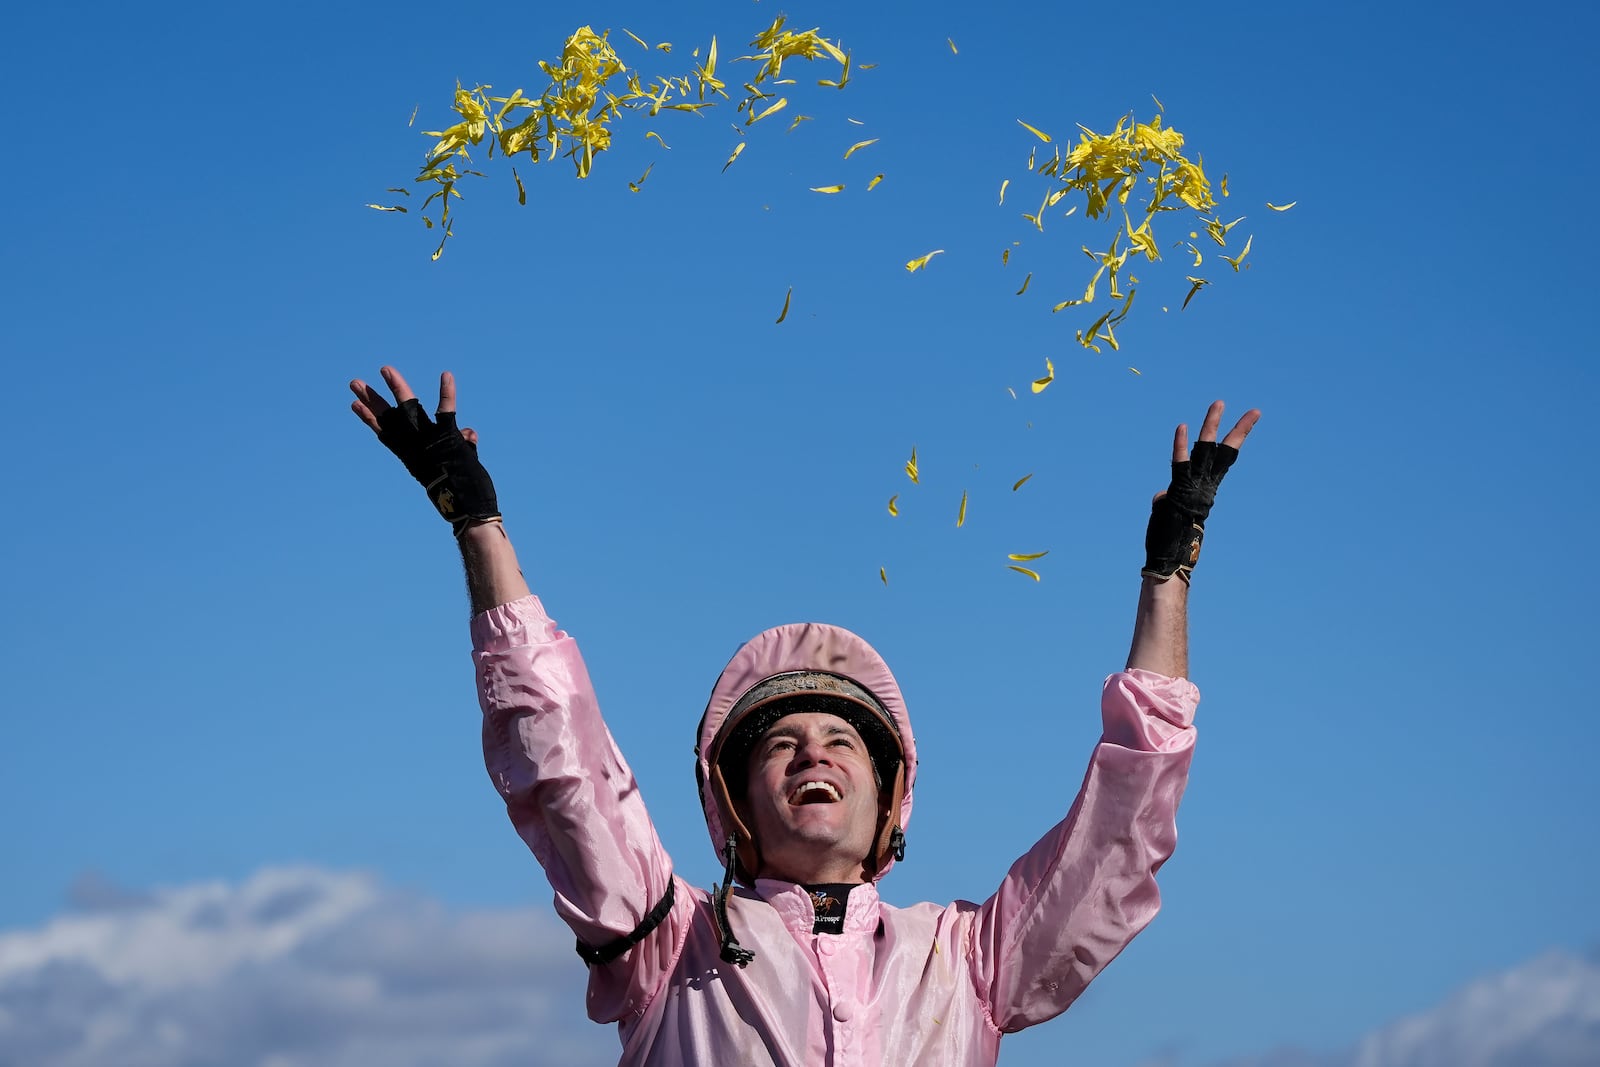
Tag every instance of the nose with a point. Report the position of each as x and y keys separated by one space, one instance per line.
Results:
x=812 y=752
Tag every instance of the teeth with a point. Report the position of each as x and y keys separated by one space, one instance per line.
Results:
x=824 y=787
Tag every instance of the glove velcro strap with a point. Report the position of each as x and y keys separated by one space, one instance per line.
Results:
x=613 y=949
x=1180 y=558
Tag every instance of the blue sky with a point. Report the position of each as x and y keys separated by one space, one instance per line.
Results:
x=235 y=635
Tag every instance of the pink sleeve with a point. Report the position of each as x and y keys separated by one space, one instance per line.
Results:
x=573 y=799
x=1080 y=895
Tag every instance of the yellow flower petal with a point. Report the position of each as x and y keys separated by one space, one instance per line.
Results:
x=912 y=471
x=798 y=119
x=1157 y=99
x=883 y=576
x=874 y=182
x=736 y=150
x=1025 y=282
x=1019 y=482
x=522 y=194
x=413 y=117
x=1005 y=256
x=1234 y=261
x=858 y=144
x=1024 y=557
x=1136 y=371
x=636 y=37
x=1045 y=137
x=952 y=45
x=380 y=207
x=921 y=261
x=1023 y=570
x=634 y=186
x=961 y=515
x=1284 y=207
x=894 y=509
x=785 y=312
x=1013 y=393
x=651 y=133
x=1003 y=185
x=1049 y=376
x=1196 y=285
x=827 y=188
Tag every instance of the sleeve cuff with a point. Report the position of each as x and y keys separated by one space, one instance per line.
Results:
x=512 y=625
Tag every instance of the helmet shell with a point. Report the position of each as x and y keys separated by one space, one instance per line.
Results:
x=829 y=650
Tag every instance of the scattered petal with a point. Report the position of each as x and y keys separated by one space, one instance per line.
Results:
x=1136 y=369
x=921 y=261
x=736 y=150
x=1045 y=137
x=952 y=45
x=827 y=188
x=1157 y=99
x=1025 y=282
x=1196 y=285
x=785 y=312
x=657 y=136
x=1224 y=185
x=522 y=194
x=874 y=182
x=1023 y=570
x=883 y=576
x=1049 y=376
x=894 y=509
x=961 y=515
x=380 y=207
x=798 y=119
x=1013 y=393
x=636 y=37
x=1019 y=482
x=1005 y=256
x=1003 y=185
x=634 y=186
x=912 y=471
x=858 y=144
x=1024 y=557
x=856 y=122
x=1234 y=261
x=1284 y=207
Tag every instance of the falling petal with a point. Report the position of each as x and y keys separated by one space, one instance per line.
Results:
x=961 y=515
x=1234 y=261
x=1012 y=391
x=636 y=37
x=1005 y=256
x=1284 y=207
x=1003 y=185
x=894 y=509
x=858 y=144
x=1045 y=137
x=664 y=46
x=522 y=194
x=1023 y=570
x=657 y=136
x=827 y=188
x=1020 y=481
x=883 y=576
x=1225 y=185
x=1157 y=99
x=798 y=119
x=921 y=261
x=1196 y=285
x=856 y=122
x=874 y=182
x=736 y=150
x=911 y=468
x=785 y=312
x=380 y=207
x=952 y=45
x=1136 y=371
x=634 y=186
x=1025 y=282
x=1049 y=376
x=413 y=117
x=1024 y=557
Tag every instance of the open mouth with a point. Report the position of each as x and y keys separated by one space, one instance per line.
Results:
x=815 y=793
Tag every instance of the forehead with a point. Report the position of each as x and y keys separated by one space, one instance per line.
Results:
x=811 y=724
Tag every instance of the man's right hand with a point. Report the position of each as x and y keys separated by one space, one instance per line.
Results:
x=442 y=458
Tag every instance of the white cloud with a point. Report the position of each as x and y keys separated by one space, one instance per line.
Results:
x=1543 y=1013
x=294 y=968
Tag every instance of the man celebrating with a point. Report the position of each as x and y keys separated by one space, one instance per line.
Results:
x=806 y=764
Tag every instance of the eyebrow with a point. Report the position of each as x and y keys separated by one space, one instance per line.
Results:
x=793 y=731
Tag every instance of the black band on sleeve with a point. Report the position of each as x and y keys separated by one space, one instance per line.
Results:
x=610 y=951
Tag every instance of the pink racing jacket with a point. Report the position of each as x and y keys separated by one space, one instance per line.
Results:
x=929 y=984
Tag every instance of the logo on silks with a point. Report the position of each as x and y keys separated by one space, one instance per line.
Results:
x=825 y=904
x=445 y=501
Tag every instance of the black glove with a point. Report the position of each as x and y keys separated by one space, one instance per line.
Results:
x=1178 y=518
x=444 y=461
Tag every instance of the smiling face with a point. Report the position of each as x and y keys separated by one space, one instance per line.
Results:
x=811 y=800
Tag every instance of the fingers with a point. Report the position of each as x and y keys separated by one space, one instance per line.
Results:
x=471 y=435
x=447 y=393
x=1180 y=443
x=397 y=385
x=1242 y=428
x=1208 y=429
x=368 y=405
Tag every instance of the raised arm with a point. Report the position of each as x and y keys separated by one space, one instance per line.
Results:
x=1172 y=543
